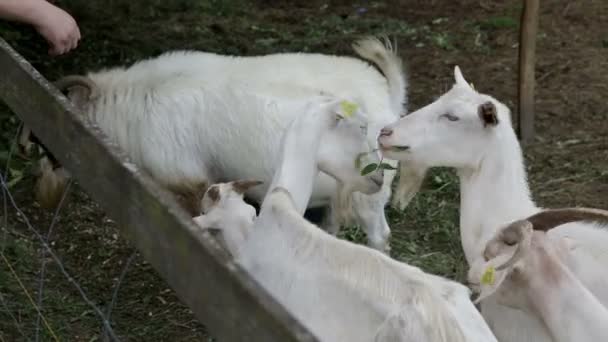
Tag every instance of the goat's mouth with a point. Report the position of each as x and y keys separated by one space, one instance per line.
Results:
x=394 y=148
x=377 y=180
x=474 y=286
x=399 y=148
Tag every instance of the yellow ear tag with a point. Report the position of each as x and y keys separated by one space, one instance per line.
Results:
x=472 y=86
x=348 y=108
x=488 y=276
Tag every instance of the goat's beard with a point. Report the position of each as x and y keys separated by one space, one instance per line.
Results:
x=410 y=181
x=343 y=205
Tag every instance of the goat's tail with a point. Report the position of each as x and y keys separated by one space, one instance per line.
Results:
x=385 y=57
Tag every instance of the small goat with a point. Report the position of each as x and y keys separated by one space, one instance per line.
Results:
x=535 y=279
x=181 y=118
x=340 y=290
x=472 y=132
x=224 y=208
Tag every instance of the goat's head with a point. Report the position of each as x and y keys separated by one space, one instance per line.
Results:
x=453 y=131
x=522 y=255
x=347 y=148
x=224 y=208
x=229 y=197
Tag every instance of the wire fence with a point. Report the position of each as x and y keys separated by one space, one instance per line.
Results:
x=34 y=293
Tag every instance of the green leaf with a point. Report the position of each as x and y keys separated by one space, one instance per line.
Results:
x=369 y=169
x=385 y=166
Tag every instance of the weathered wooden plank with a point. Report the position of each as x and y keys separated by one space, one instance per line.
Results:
x=231 y=304
x=527 y=60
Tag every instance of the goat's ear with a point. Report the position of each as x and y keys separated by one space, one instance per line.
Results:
x=488 y=278
x=210 y=199
x=241 y=186
x=214 y=194
x=200 y=190
x=459 y=79
x=346 y=109
x=487 y=114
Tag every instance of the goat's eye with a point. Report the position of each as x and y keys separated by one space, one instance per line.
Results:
x=450 y=117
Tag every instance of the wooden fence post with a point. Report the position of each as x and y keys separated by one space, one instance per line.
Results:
x=527 y=57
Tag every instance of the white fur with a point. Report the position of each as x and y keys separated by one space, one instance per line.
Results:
x=343 y=291
x=180 y=117
x=494 y=191
x=231 y=212
x=541 y=284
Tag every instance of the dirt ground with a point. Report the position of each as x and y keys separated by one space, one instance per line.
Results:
x=567 y=162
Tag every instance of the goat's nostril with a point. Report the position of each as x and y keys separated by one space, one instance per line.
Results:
x=386 y=132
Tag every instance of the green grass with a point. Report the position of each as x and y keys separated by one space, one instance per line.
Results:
x=426 y=233
x=499 y=23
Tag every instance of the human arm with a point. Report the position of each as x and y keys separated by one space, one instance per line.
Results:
x=54 y=24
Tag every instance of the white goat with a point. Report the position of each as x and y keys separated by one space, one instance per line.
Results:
x=342 y=291
x=472 y=132
x=178 y=118
x=535 y=279
x=223 y=207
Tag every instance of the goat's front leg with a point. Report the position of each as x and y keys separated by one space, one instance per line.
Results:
x=369 y=210
x=331 y=223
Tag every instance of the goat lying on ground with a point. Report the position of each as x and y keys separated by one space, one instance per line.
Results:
x=472 y=132
x=339 y=290
x=536 y=280
x=179 y=117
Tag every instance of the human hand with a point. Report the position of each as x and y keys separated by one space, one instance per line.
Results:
x=57 y=27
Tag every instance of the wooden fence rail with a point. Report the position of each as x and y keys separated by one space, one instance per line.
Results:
x=220 y=293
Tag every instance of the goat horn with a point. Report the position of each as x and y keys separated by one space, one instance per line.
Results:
x=551 y=218
x=523 y=232
x=77 y=80
x=241 y=186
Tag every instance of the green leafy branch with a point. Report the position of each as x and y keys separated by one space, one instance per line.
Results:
x=373 y=166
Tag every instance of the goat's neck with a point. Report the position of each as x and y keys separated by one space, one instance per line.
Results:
x=296 y=173
x=492 y=194
x=566 y=306
x=298 y=161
